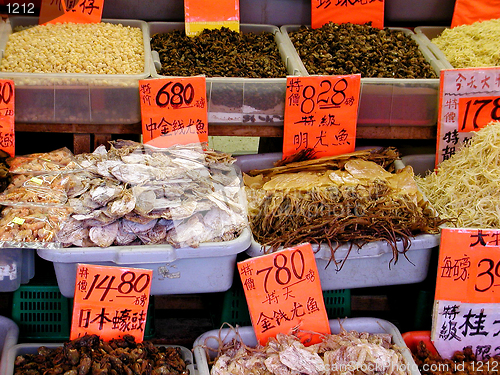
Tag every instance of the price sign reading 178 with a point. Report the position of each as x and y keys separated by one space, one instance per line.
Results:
x=283 y=292
x=110 y=301
x=321 y=113
x=174 y=110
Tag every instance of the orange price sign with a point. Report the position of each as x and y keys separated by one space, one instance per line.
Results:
x=347 y=11
x=467 y=298
x=7 y=133
x=204 y=14
x=469 y=99
x=174 y=110
x=284 y=293
x=76 y=11
x=110 y=301
x=466 y=12
x=321 y=113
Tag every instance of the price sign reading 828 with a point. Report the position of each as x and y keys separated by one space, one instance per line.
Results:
x=283 y=292
x=110 y=301
x=321 y=114
x=174 y=110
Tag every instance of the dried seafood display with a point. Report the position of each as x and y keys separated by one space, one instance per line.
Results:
x=5 y=176
x=463 y=362
x=137 y=194
x=336 y=49
x=91 y=355
x=356 y=198
x=343 y=353
x=464 y=188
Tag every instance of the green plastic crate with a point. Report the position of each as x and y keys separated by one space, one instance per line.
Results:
x=235 y=308
x=42 y=313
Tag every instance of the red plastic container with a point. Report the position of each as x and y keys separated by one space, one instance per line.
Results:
x=414 y=337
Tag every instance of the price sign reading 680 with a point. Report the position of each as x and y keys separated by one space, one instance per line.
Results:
x=110 y=301
x=174 y=110
x=283 y=292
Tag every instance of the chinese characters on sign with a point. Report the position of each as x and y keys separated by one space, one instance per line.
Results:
x=344 y=11
x=77 y=11
x=110 y=302
x=467 y=301
x=321 y=113
x=173 y=111
x=284 y=293
x=469 y=100
x=7 y=134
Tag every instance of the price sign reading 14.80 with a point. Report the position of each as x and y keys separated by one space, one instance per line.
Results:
x=321 y=114
x=283 y=292
x=174 y=110
x=110 y=301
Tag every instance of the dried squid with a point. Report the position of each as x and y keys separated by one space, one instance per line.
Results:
x=356 y=198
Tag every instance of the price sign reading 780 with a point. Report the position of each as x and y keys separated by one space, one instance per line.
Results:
x=321 y=113
x=283 y=292
x=110 y=301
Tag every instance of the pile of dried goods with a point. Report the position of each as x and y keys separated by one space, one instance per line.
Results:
x=464 y=188
x=343 y=353
x=356 y=198
x=470 y=46
x=92 y=48
x=130 y=195
x=91 y=355
x=219 y=53
x=463 y=363
x=337 y=49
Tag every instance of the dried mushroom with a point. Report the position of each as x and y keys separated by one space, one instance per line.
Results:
x=338 y=49
x=219 y=53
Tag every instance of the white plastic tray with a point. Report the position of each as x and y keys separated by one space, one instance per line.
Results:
x=390 y=101
x=370 y=325
x=426 y=34
x=30 y=348
x=77 y=97
x=205 y=269
x=241 y=106
x=9 y=334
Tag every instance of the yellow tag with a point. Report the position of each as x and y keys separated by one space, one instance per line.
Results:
x=18 y=220
x=36 y=180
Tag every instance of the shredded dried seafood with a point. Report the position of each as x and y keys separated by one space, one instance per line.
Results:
x=356 y=198
x=91 y=355
x=343 y=353
x=464 y=188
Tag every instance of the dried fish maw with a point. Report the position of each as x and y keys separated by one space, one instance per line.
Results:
x=404 y=180
x=366 y=170
x=297 y=181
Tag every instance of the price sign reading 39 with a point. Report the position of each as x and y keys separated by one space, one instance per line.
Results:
x=283 y=292
x=174 y=110
x=110 y=301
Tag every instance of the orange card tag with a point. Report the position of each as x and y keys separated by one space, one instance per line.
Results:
x=321 y=113
x=7 y=133
x=204 y=14
x=284 y=293
x=75 y=11
x=469 y=266
x=174 y=110
x=469 y=99
x=466 y=12
x=347 y=11
x=110 y=301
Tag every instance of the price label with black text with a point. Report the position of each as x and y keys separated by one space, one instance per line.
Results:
x=469 y=100
x=321 y=113
x=110 y=301
x=467 y=297
x=75 y=11
x=284 y=294
x=7 y=111
x=174 y=110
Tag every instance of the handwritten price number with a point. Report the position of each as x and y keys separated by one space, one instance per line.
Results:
x=324 y=100
x=488 y=275
x=177 y=97
x=6 y=92
x=129 y=283
x=482 y=104
x=282 y=273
